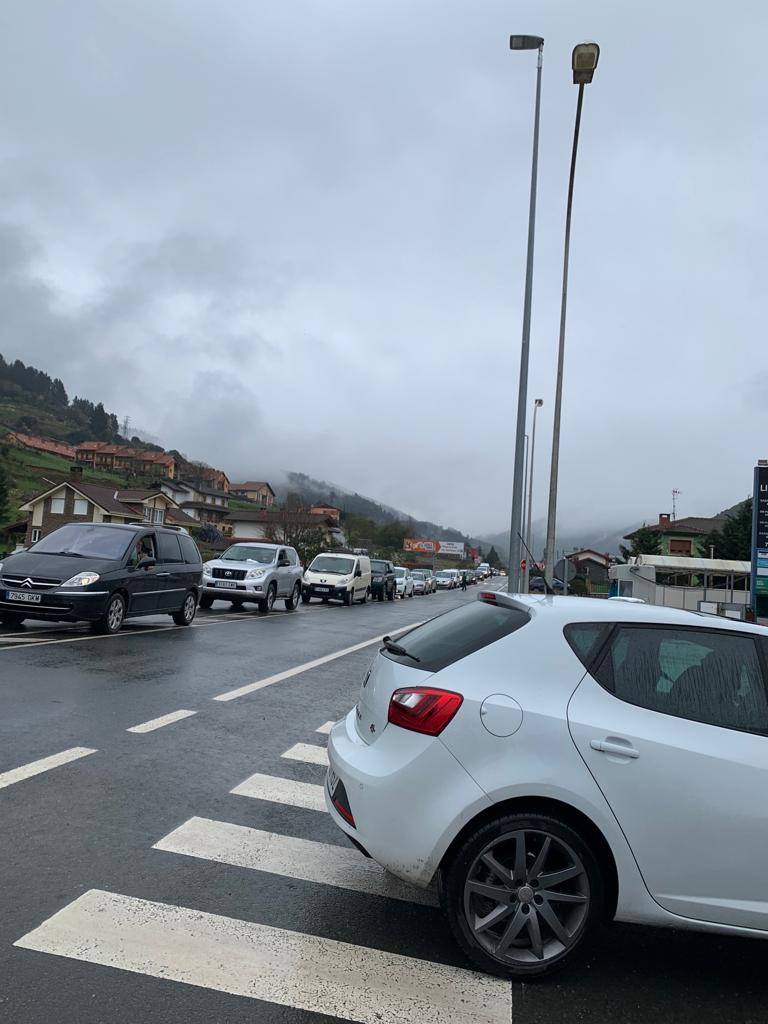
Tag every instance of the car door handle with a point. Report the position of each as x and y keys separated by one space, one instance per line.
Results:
x=613 y=747
x=162 y=574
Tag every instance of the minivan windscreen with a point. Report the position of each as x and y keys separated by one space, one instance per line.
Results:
x=87 y=541
x=245 y=553
x=329 y=563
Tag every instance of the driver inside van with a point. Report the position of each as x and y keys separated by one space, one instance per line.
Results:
x=143 y=549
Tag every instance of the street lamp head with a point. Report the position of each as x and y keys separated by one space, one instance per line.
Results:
x=538 y=402
x=525 y=42
x=584 y=61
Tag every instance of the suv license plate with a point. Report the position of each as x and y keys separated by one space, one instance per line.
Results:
x=15 y=595
x=226 y=583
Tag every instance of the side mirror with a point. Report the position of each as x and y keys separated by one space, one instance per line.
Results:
x=358 y=572
x=146 y=563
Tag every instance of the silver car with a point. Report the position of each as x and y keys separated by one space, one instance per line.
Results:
x=253 y=571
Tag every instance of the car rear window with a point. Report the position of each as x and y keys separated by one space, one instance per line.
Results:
x=189 y=550
x=458 y=633
x=168 y=545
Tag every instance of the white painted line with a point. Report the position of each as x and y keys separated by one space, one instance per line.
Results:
x=325 y=728
x=45 y=764
x=158 y=723
x=282 y=791
x=307 y=752
x=243 y=958
x=308 y=665
x=304 y=859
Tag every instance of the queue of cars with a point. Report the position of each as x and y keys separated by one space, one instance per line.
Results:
x=103 y=573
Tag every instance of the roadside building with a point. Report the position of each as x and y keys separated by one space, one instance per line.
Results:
x=684 y=537
x=120 y=458
x=255 y=490
x=331 y=511
x=592 y=565
x=204 y=504
x=74 y=501
x=258 y=524
x=32 y=442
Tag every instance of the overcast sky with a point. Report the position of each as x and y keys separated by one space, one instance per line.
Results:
x=292 y=236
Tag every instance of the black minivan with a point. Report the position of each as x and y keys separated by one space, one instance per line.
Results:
x=102 y=573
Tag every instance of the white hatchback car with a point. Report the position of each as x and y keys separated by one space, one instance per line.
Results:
x=403 y=582
x=556 y=762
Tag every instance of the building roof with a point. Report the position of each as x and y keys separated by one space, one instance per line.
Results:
x=141 y=494
x=175 y=515
x=584 y=553
x=700 y=525
x=206 y=505
x=44 y=444
x=251 y=485
x=189 y=486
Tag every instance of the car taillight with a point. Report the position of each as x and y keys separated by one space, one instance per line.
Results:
x=423 y=709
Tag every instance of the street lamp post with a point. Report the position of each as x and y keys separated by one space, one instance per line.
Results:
x=583 y=61
x=518 y=483
x=537 y=404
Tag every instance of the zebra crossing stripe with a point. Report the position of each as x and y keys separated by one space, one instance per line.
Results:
x=307 y=752
x=243 y=958
x=277 y=854
x=282 y=791
x=325 y=728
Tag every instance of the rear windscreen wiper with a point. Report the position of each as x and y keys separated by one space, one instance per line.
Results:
x=394 y=648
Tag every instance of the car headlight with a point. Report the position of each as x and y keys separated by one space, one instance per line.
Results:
x=82 y=579
x=254 y=574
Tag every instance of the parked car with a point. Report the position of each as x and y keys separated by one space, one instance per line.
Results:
x=383 y=579
x=431 y=580
x=342 y=577
x=253 y=572
x=102 y=573
x=455 y=576
x=649 y=805
x=421 y=582
x=403 y=581
x=536 y=585
x=444 y=580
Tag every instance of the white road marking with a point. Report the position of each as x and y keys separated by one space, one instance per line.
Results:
x=158 y=723
x=45 y=764
x=307 y=752
x=282 y=791
x=243 y=958
x=146 y=630
x=298 y=669
x=305 y=859
x=325 y=728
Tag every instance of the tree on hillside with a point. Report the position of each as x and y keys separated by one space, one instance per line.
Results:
x=645 y=541
x=58 y=393
x=5 y=495
x=100 y=423
x=492 y=558
x=735 y=539
x=294 y=526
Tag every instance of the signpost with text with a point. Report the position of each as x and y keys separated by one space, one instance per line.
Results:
x=760 y=542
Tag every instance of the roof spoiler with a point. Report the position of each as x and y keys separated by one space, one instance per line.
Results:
x=502 y=597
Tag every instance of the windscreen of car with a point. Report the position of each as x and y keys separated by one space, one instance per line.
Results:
x=417 y=575
x=329 y=563
x=443 y=575
x=377 y=566
x=246 y=553
x=457 y=633
x=399 y=573
x=87 y=540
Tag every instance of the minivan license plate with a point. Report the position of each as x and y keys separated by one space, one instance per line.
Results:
x=15 y=595
x=323 y=590
x=226 y=583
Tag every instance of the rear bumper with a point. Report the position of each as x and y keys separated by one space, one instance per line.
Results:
x=409 y=797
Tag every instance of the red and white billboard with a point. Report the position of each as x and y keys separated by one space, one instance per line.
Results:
x=435 y=547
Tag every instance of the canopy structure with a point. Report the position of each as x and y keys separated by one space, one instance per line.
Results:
x=678 y=563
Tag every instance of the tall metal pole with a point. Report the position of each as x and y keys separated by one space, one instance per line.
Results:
x=518 y=483
x=528 y=530
x=525 y=486
x=552 y=509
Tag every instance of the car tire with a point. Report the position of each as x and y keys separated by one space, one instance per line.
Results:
x=349 y=598
x=562 y=932
x=411 y=594
x=380 y=595
x=305 y=598
x=11 y=619
x=391 y=596
x=292 y=602
x=206 y=601
x=366 y=595
x=237 y=605
x=266 y=604
x=186 y=614
x=113 y=617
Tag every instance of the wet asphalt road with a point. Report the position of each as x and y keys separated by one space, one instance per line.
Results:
x=91 y=825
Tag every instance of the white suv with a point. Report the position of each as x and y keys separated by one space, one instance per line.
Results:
x=256 y=572
x=558 y=762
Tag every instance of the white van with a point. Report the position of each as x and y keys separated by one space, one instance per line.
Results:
x=343 y=577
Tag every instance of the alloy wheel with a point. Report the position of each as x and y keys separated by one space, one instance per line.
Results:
x=189 y=607
x=270 y=598
x=115 y=614
x=526 y=897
